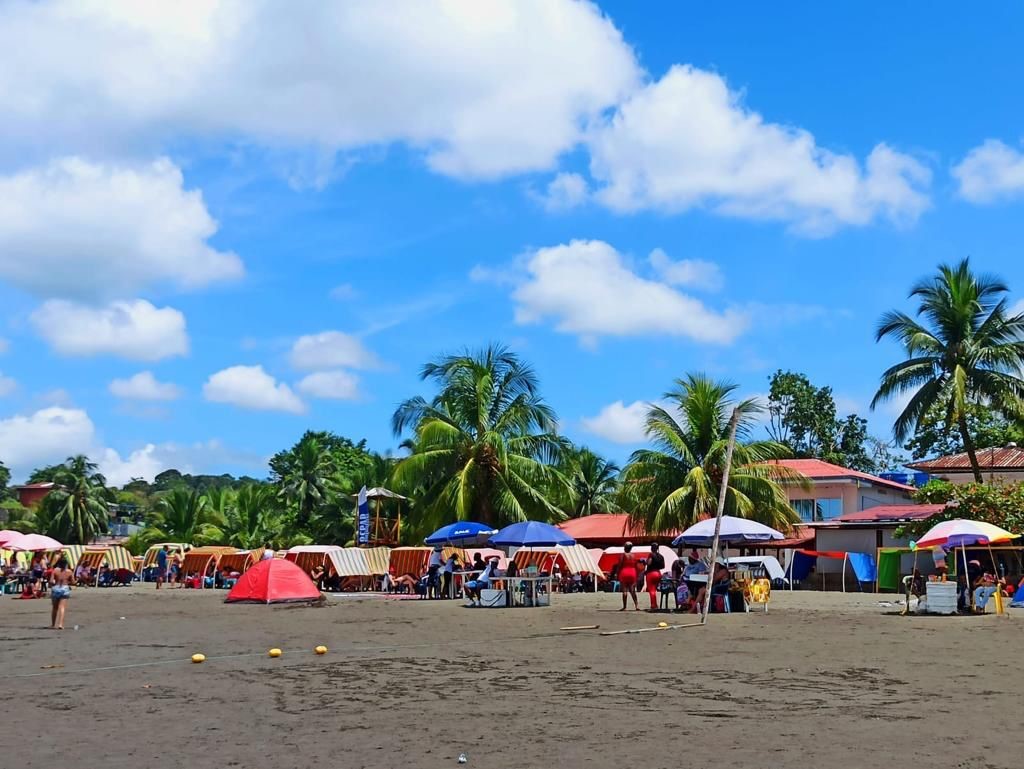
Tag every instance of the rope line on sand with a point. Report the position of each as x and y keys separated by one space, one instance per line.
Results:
x=374 y=649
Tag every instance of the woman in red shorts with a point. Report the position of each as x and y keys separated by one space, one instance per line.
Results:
x=627 y=576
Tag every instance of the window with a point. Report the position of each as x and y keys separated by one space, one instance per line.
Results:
x=818 y=510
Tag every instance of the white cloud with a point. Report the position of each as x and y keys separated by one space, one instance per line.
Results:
x=588 y=289
x=343 y=292
x=687 y=141
x=84 y=230
x=129 y=329
x=250 y=387
x=5 y=345
x=482 y=89
x=565 y=191
x=336 y=385
x=619 y=423
x=46 y=436
x=686 y=272
x=7 y=386
x=145 y=387
x=331 y=349
x=991 y=172
x=206 y=457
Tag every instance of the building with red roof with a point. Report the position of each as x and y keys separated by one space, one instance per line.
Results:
x=609 y=530
x=998 y=465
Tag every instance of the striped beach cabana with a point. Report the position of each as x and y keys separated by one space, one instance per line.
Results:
x=378 y=558
x=173 y=548
x=414 y=560
x=203 y=560
x=73 y=553
x=240 y=561
x=309 y=557
x=350 y=562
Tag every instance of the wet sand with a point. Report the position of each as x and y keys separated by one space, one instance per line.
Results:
x=822 y=680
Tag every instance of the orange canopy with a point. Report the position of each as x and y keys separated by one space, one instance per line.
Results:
x=610 y=529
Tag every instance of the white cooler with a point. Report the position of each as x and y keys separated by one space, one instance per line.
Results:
x=941 y=597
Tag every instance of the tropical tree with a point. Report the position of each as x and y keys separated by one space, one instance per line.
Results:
x=306 y=480
x=76 y=511
x=482 y=446
x=185 y=515
x=593 y=483
x=963 y=348
x=254 y=517
x=677 y=483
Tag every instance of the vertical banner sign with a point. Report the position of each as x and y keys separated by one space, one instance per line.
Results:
x=363 y=519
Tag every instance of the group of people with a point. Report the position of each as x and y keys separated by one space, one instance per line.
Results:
x=687 y=581
x=33 y=578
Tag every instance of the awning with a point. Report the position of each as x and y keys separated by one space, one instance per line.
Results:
x=378 y=559
x=350 y=562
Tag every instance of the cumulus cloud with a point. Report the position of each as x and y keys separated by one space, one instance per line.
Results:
x=145 y=387
x=86 y=230
x=686 y=272
x=43 y=437
x=334 y=385
x=482 y=89
x=331 y=349
x=128 y=329
x=153 y=458
x=618 y=422
x=250 y=387
x=588 y=289
x=565 y=191
x=990 y=172
x=687 y=141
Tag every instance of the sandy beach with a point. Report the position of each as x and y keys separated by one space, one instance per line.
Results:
x=822 y=679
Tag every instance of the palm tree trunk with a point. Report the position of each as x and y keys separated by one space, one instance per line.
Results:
x=965 y=435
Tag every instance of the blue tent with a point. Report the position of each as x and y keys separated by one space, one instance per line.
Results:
x=461 y=532
x=531 y=534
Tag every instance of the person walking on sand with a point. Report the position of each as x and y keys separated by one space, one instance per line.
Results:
x=652 y=575
x=161 y=566
x=627 y=575
x=61 y=578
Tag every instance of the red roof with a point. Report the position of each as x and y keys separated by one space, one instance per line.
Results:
x=43 y=485
x=607 y=528
x=819 y=470
x=892 y=513
x=798 y=537
x=1008 y=458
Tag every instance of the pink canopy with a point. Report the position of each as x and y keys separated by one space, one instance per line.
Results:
x=7 y=534
x=32 y=543
x=964 y=533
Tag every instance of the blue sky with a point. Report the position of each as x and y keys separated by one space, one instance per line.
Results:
x=224 y=224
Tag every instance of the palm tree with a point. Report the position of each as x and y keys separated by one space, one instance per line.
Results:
x=76 y=510
x=481 y=445
x=254 y=518
x=593 y=483
x=677 y=483
x=964 y=349
x=307 y=483
x=185 y=515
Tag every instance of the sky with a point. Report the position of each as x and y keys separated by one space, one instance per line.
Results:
x=225 y=223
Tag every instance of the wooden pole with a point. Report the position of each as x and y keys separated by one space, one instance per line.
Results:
x=733 y=423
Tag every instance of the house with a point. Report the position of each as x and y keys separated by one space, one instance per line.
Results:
x=837 y=491
x=30 y=495
x=998 y=465
x=609 y=530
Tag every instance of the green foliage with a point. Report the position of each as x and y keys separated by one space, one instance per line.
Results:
x=963 y=348
x=999 y=504
x=677 y=483
x=932 y=437
x=804 y=418
x=593 y=483
x=5 y=479
x=139 y=542
x=483 y=448
x=253 y=517
x=186 y=516
x=46 y=474
x=76 y=511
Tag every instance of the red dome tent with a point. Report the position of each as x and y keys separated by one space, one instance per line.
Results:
x=273 y=581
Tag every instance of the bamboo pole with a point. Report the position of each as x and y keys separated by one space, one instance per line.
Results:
x=733 y=423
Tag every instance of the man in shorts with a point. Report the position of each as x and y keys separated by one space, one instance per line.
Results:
x=161 y=566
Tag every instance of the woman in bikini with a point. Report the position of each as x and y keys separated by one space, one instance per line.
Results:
x=60 y=591
x=627 y=576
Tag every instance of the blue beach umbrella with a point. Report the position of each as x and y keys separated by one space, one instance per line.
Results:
x=461 y=532
x=531 y=534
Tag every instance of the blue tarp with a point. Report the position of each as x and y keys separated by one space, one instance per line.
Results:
x=863 y=566
x=802 y=565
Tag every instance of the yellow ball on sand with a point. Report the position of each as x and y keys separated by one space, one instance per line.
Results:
x=321 y=650
x=197 y=658
x=274 y=653
x=662 y=624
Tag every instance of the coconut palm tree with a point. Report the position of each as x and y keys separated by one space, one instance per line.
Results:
x=185 y=515
x=963 y=348
x=593 y=483
x=254 y=518
x=76 y=510
x=677 y=483
x=481 y=445
x=308 y=481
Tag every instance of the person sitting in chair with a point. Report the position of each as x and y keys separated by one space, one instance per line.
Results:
x=476 y=586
